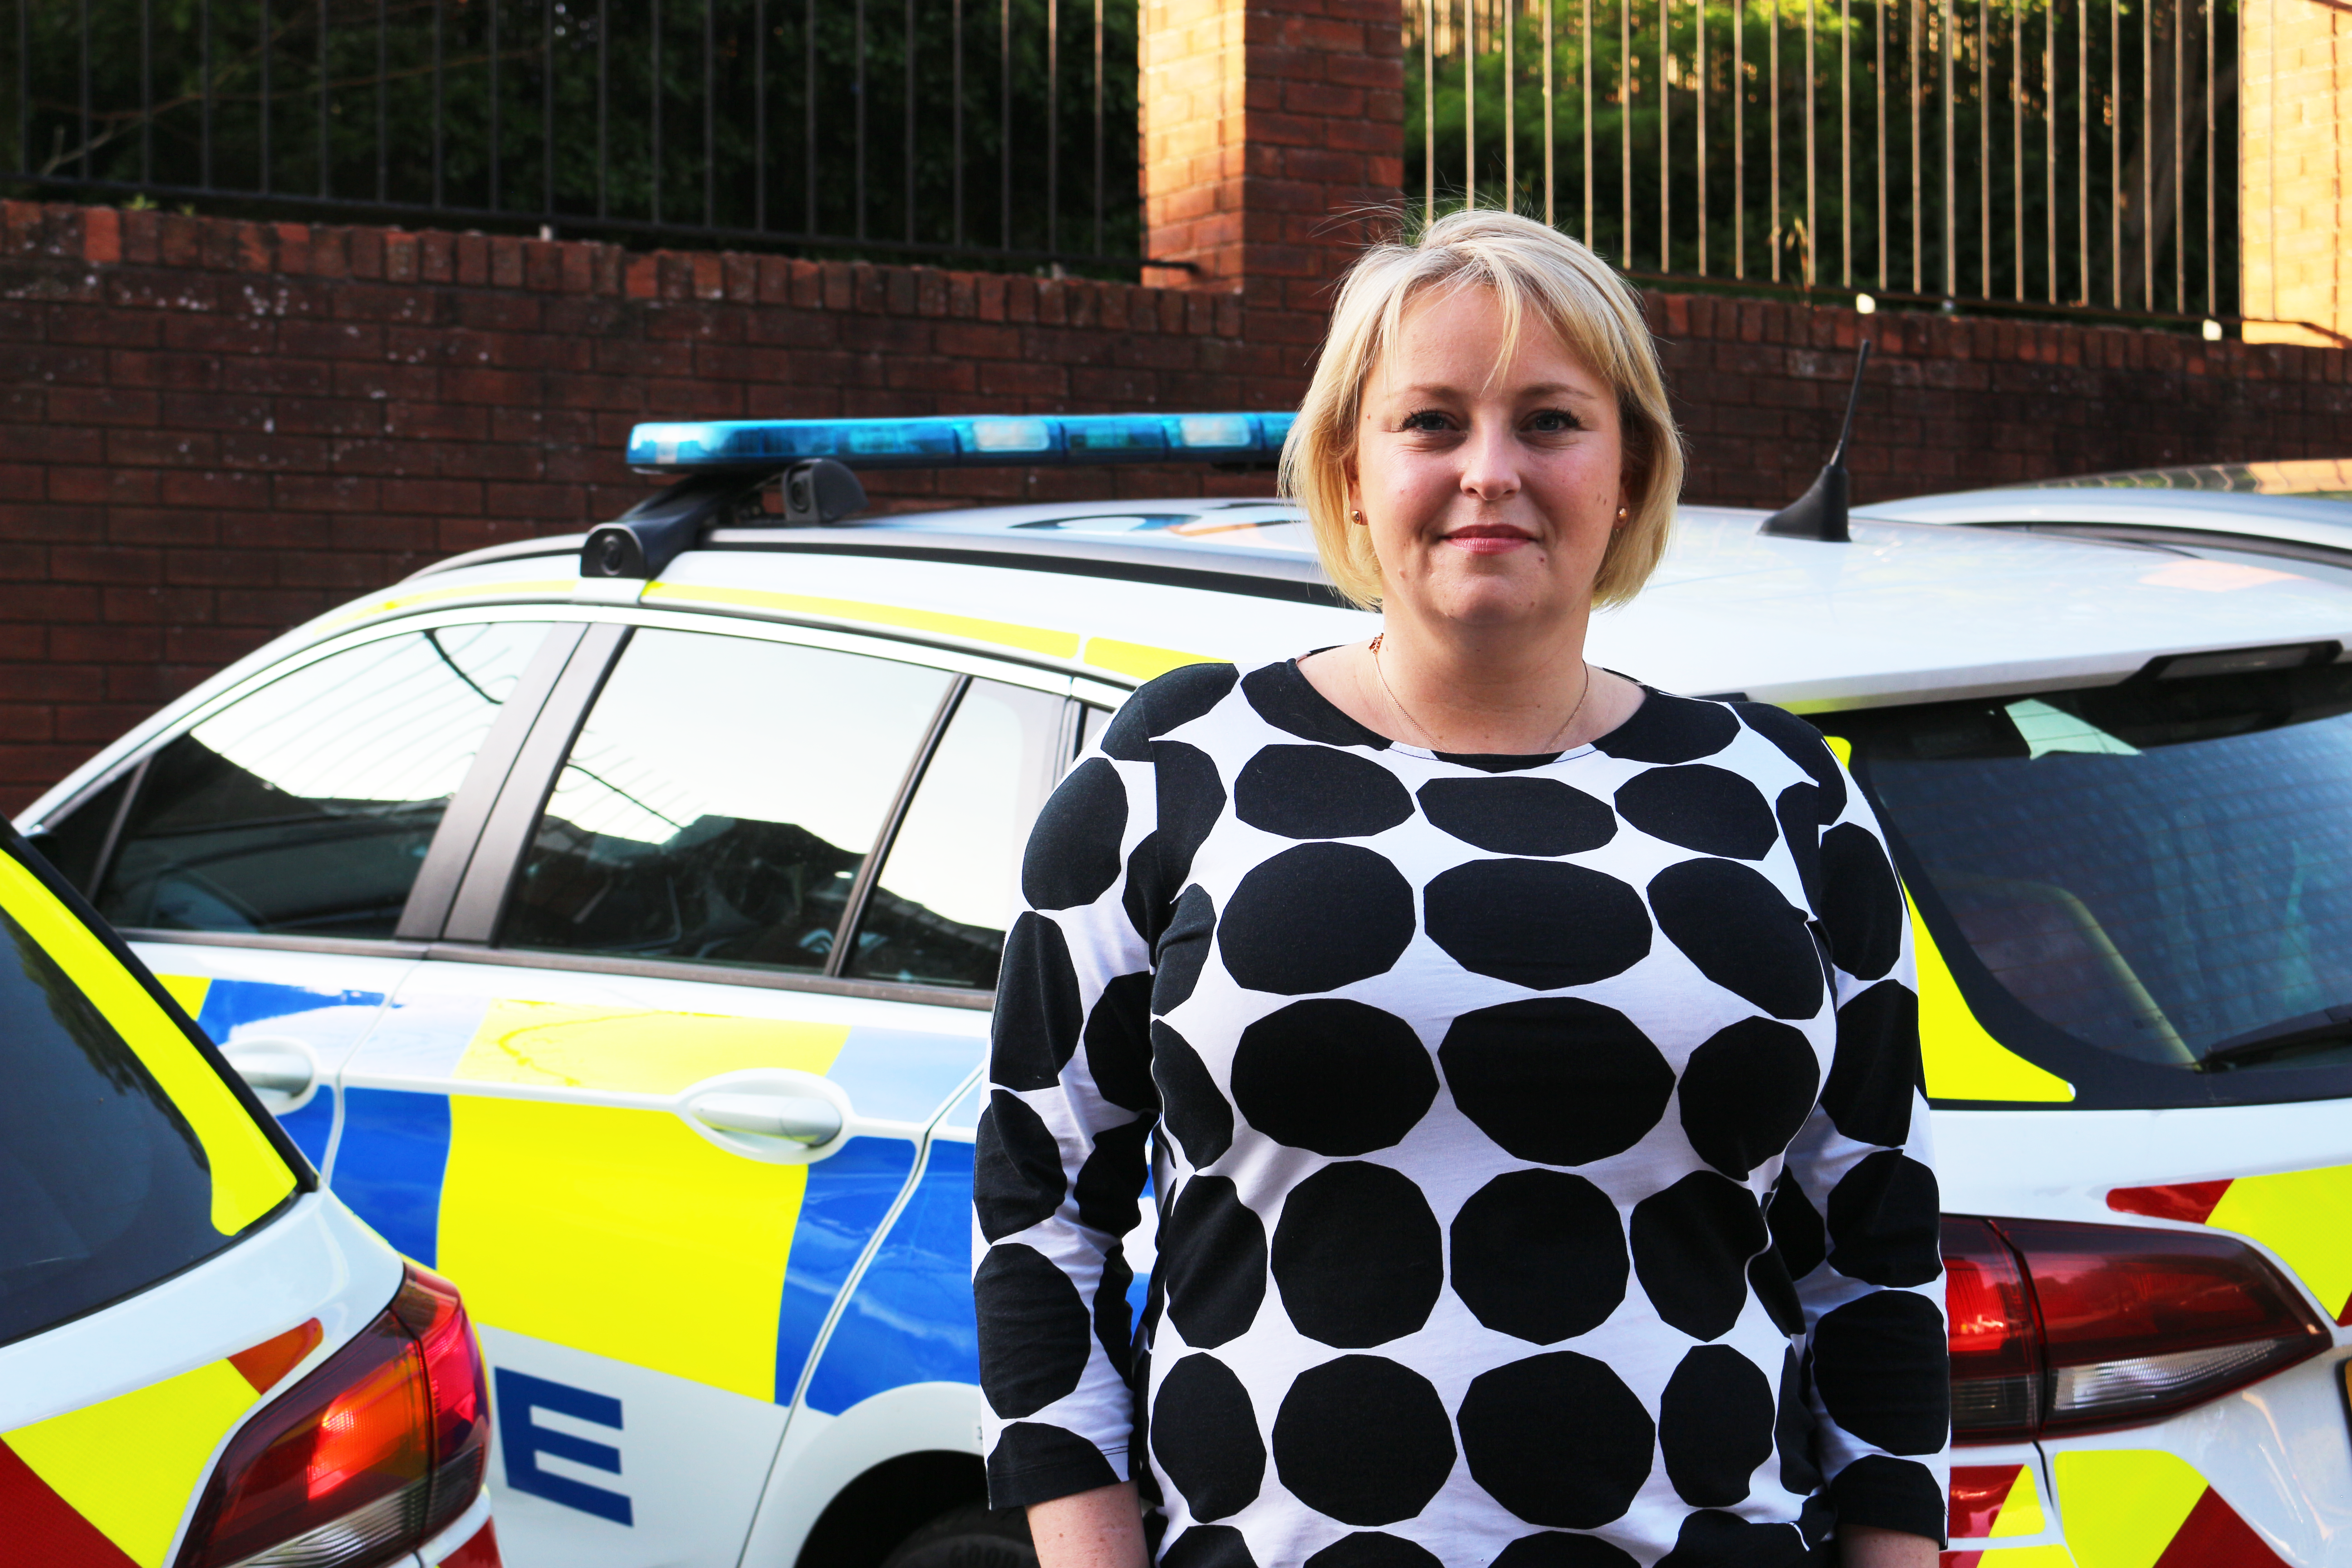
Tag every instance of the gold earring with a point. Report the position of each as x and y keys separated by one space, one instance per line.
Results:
x=1357 y=518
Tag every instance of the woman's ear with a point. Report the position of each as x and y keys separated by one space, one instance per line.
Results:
x=1633 y=463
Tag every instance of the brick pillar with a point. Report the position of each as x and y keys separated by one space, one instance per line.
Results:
x=2295 y=175
x=1270 y=127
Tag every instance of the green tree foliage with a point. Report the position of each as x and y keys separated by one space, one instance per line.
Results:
x=936 y=123
x=2061 y=141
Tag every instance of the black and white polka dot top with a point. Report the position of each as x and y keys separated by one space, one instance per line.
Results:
x=1541 y=1173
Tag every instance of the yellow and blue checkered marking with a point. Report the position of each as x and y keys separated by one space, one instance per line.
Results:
x=330 y=1021
x=618 y=1230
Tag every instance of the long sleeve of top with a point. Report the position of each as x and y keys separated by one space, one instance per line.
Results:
x=1537 y=1145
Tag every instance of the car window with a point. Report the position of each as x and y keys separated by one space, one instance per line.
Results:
x=719 y=801
x=2161 y=869
x=105 y=1187
x=939 y=911
x=305 y=807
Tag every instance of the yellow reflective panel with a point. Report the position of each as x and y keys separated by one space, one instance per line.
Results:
x=1138 y=659
x=2051 y=1556
x=2124 y=1506
x=130 y=1464
x=634 y=1050
x=188 y=990
x=250 y=1177
x=1961 y=1060
x=1006 y=634
x=2305 y=1217
x=2020 y=1510
x=621 y=1233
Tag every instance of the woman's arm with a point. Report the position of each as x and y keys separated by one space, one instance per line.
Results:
x=1062 y=1150
x=1855 y=1213
x=1860 y=1546
x=1104 y=1528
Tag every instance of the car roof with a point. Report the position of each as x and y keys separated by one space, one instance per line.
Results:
x=2297 y=510
x=1907 y=611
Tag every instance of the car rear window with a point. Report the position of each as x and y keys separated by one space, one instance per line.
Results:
x=104 y=1187
x=2161 y=870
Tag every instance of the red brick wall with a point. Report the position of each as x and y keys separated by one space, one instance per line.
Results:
x=1954 y=402
x=214 y=429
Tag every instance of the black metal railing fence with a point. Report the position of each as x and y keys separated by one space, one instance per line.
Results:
x=2060 y=155
x=995 y=133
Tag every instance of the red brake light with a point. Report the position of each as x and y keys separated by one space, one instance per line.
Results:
x=364 y=1459
x=2139 y=1323
x=2062 y=1327
x=1996 y=1370
x=428 y=1307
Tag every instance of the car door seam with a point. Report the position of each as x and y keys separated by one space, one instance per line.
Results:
x=873 y=1244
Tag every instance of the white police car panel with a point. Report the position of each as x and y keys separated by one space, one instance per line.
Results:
x=673 y=1301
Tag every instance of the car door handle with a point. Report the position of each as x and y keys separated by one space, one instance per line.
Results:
x=279 y=1069
x=803 y=1119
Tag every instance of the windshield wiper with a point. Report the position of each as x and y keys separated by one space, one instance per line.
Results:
x=2288 y=1036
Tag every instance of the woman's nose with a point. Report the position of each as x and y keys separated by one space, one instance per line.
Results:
x=1490 y=461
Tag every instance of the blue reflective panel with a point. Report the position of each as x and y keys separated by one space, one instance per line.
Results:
x=388 y=1170
x=911 y=1318
x=842 y=1207
x=312 y=1128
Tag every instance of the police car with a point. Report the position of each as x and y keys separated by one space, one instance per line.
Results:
x=618 y=913
x=204 y=1359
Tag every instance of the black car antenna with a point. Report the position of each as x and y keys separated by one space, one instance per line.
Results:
x=1820 y=512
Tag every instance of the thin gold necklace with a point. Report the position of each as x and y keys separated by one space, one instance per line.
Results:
x=1394 y=701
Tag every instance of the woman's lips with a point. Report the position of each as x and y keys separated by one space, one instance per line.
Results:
x=1488 y=539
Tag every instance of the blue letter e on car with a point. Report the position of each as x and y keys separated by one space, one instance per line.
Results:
x=521 y=1441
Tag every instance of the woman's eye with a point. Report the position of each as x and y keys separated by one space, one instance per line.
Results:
x=1552 y=422
x=1427 y=419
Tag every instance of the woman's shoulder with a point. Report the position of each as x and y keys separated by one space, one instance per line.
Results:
x=1164 y=703
x=1670 y=729
x=1274 y=702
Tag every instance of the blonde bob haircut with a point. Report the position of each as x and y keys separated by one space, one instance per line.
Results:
x=1535 y=272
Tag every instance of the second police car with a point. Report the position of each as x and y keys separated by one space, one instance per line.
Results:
x=617 y=915
x=204 y=1359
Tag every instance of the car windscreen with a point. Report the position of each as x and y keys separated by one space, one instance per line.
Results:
x=104 y=1185
x=2160 y=870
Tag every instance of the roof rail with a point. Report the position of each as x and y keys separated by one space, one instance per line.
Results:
x=957 y=441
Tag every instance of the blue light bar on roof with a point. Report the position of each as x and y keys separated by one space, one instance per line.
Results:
x=957 y=442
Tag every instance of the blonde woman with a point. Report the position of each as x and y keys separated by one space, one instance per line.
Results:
x=1525 y=1058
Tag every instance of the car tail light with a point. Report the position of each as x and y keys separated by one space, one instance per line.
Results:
x=364 y=1459
x=428 y=1307
x=2057 y=1327
x=1996 y=1360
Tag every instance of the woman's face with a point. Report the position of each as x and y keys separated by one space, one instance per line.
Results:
x=1489 y=472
